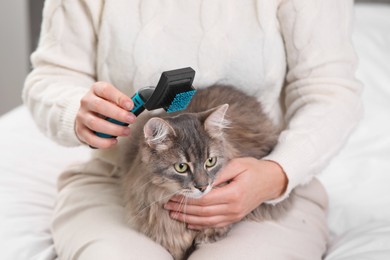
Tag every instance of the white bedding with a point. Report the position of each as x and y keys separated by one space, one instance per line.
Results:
x=357 y=180
x=30 y=164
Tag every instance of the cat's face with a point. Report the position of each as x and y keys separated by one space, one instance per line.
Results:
x=186 y=152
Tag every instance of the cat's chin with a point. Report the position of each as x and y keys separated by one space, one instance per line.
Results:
x=197 y=194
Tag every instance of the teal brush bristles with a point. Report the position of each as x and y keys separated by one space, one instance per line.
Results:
x=181 y=101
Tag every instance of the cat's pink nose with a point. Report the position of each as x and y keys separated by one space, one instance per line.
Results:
x=202 y=188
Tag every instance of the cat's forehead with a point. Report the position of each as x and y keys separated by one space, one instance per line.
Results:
x=185 y=121
x=184 y=117
x=189 y=131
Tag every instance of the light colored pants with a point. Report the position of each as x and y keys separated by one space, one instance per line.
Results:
x=88 y=224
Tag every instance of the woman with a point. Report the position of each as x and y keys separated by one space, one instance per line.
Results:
x=295 y=56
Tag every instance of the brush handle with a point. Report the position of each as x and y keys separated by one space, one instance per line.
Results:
x=138 y=109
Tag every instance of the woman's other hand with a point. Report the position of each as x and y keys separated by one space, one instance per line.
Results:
x=103 y=100
x=251 y=183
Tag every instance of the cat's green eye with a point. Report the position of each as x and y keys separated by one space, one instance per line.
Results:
x=181 y=167
x=210 y=162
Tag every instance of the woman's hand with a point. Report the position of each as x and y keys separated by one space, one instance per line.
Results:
x=103 y=100
x=251 y=183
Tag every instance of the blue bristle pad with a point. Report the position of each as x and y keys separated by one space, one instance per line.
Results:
x=181 y=101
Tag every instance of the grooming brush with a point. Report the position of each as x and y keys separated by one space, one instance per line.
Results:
x=173 y=92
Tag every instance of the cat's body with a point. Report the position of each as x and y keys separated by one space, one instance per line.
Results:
x=182 y=153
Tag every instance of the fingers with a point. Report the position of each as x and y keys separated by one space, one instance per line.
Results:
x=107 y=109
x=190 y=209
x=88 y=124
x=108 y=101
x=101 y=125
x=204 y=217
x=233 y=169
x=112 y=94
x=198 y=222
x=89 y=137
x=221 y=207
x=103 y=101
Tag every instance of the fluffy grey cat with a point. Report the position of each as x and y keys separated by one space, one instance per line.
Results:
x=182 y=154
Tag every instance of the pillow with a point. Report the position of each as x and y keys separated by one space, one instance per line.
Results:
x=370 y=241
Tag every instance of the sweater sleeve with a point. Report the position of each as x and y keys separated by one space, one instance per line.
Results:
x=322 y=96
x=63 y=67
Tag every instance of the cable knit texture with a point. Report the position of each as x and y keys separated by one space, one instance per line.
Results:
x=295 y=56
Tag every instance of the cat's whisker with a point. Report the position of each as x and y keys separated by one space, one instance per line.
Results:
x=181 y=204
x=185 y=208
x=145 y=184
x=153 y=203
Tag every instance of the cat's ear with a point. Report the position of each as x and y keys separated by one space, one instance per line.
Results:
x=216 y=120
x=157 y=132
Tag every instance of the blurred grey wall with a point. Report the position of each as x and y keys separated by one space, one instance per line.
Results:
x=35 y=8
x=14 y=50
x=19 y=31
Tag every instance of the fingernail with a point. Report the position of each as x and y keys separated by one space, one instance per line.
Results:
x=126 y=131
x=173 y=214
x=130 y=118
x=128 y=105
x=175 y=198
x=167 y=206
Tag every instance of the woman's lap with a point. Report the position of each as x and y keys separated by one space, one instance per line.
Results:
x=88 y=223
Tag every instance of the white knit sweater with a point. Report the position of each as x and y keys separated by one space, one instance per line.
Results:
x=295 y=56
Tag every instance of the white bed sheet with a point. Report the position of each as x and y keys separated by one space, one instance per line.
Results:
x=29 y=167
x=357 y=180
